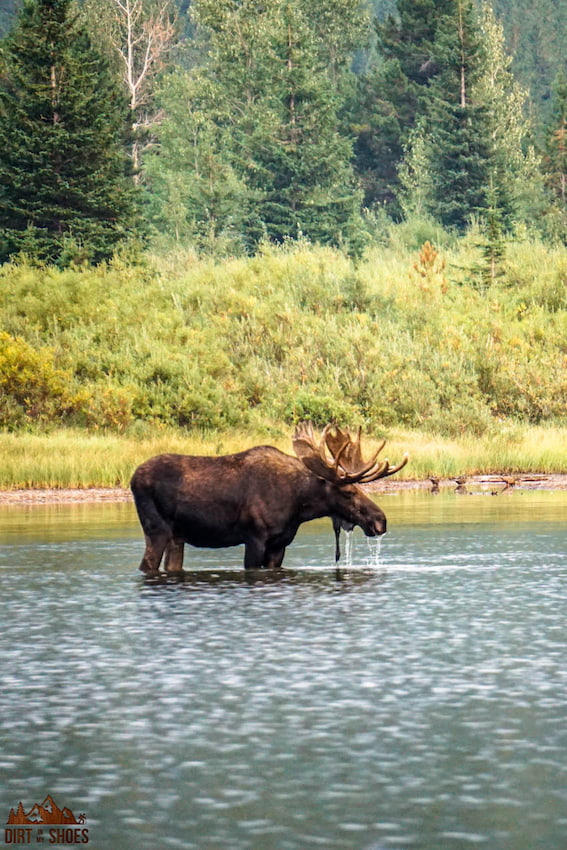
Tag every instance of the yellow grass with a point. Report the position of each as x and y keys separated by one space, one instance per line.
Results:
x=73 y=458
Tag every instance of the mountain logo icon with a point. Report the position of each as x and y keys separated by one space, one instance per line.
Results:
x=45 y=813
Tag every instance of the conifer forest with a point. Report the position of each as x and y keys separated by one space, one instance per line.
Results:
x=228 y=213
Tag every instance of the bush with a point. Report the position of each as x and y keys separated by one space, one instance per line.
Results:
x=399 y=339
x=320 y=409
x=32 y=389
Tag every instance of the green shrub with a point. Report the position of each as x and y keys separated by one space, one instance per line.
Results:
x=320 y=409
x=397 y=340
x=32 y=389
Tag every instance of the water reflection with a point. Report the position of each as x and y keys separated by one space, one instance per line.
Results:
x=316 y=576
x=419 y=703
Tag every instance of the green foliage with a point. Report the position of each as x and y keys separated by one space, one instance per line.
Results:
x=555 y=159
x=458 y=146
x=399 y=340
x=294 y=119
x=32 y=389
x=535 y=33
x=196 y=193
x=468 y=157
x=252 y=148
x=65 y=194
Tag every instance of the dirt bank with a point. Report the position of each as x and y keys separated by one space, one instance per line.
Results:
x=473 y=483
x=56 y=496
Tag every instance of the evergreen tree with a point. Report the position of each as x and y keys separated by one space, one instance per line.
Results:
x=274 y=91
x=465 y=159
x=302 y=174
x=556 y=142
x=410 y=36
x=65 y=191
x=441 y=118
x=555 y=160
x=195 y=193
x=392 y=95
x=458 y=122
x=493 y=246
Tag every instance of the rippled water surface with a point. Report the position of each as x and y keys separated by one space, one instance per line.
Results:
x=418 y=702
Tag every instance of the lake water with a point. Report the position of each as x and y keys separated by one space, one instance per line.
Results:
x=415 y=702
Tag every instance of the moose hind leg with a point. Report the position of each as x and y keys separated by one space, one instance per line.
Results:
x=155 y=547
x=157 y=531
x=173 y=560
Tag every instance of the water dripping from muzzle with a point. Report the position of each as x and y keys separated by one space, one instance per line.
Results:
x=374 y=546
x=348 y=550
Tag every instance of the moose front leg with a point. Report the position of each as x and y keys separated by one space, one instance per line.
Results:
x=273 y=558
x=254 y=553
x=258 y=554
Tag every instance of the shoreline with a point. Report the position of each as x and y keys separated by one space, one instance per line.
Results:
x=495 y=484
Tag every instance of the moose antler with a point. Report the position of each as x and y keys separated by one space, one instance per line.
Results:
x=313 y=453
x=347 y=449
x=346 y=465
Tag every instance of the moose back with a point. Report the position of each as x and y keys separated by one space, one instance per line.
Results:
x=257 y=498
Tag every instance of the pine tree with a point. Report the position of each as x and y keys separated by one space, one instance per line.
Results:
x=195 y=192
x=393 y=94
x=410 y=36
x=556 y=142
x=492 y=244
x=441 y=117
x=555 y=161
x=458 y=122
x=303 y=175
x=64 y=187
x=278 y=82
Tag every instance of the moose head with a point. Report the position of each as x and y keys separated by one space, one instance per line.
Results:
x=336 y=456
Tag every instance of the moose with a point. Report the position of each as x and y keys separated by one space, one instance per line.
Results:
x=258 y=497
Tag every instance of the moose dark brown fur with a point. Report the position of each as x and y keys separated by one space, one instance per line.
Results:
x=258 y=498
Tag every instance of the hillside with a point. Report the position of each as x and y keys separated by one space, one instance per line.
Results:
x=402 y=339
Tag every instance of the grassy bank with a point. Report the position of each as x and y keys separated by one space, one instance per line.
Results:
x=406 y=339
x=100 y=368
x=71 y=458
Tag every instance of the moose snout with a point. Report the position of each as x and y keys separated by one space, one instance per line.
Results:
x=376 y=527
x=380 y=526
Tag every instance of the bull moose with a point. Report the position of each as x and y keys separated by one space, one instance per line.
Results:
x=257 y=497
